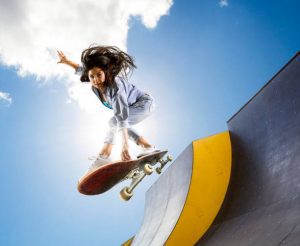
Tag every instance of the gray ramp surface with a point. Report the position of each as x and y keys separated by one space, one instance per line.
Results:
x=262 y=206
x=165 y=201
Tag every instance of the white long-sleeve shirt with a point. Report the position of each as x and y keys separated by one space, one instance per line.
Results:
x=119 y=98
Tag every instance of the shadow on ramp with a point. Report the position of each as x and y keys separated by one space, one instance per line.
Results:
x=262 y=206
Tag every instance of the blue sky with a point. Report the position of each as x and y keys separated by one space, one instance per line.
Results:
x=202 y=62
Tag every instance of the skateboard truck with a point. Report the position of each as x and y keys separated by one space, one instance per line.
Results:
x=138 y=175
x=163 y=163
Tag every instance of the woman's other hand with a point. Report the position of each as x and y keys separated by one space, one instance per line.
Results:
x=62 y=58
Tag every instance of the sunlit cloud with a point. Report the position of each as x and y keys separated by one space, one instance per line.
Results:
x=223 y=3
x=32 y=31
x=5 y=97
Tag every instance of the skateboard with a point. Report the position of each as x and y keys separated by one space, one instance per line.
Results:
x=105 y=177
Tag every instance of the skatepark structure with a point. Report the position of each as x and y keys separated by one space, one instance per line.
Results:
x=240 y=187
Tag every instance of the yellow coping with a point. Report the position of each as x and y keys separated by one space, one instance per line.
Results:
x=128 y=242
x=209 y=183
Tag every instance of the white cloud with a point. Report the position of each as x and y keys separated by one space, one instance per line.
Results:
x=33 y=30
x=223 y=3
x=5 y=97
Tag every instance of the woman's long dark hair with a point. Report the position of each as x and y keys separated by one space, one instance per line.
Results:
x=110 y=59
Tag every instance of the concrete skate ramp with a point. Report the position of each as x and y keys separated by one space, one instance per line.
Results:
x=262 y=206
x=182 y=204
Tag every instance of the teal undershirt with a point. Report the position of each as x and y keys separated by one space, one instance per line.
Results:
x=106 y=104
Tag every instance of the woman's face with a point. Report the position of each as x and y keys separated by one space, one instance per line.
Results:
x=96 y=76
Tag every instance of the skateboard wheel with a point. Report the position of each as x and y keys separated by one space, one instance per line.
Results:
x=125 y=194
x=158 y=170
x=169 y=158
x=148 y=169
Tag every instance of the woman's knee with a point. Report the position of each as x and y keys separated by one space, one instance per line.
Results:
x=112 y=122
x=152 y=106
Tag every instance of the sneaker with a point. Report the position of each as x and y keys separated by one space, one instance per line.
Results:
x=147 y=151
x=98 y=161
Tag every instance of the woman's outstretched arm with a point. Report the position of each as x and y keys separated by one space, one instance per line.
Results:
x=125 y=148
x=64 y=60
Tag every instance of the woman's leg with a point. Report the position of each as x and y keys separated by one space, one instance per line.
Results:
x=137 y=138
x=110 y=138
x=106 y=150
x=137 y=113
x=143 y=142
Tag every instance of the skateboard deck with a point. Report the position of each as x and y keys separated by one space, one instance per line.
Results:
x=105 y=177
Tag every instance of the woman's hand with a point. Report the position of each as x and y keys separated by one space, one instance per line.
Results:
x=125 y=153
x=62 y=57
x=125 y=150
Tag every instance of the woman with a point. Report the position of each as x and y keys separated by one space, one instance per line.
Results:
x=107 y=69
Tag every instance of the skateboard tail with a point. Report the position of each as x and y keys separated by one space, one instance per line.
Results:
x=102 y=179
